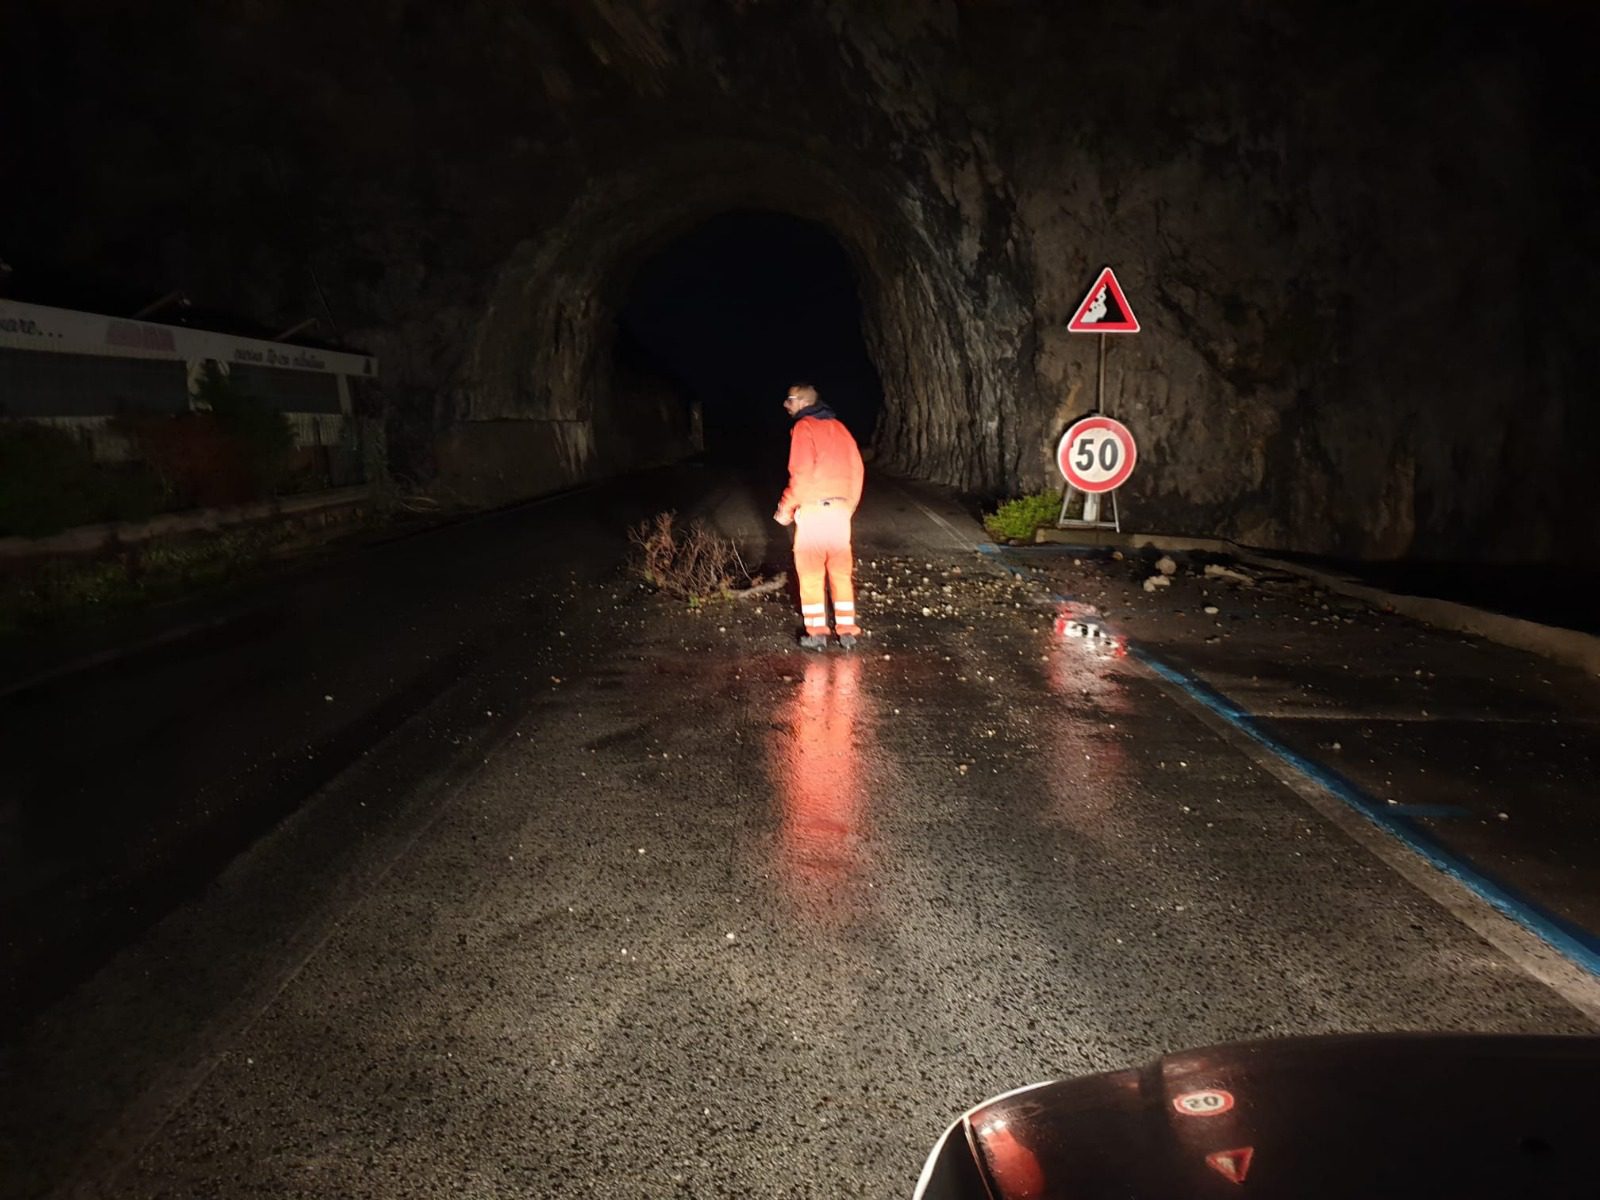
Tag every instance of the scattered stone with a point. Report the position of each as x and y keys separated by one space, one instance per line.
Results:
x=1218 y=571
x=1157 y=581
x=1166 y=566
x=1211 y=610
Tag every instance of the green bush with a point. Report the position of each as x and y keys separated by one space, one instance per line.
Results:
x=237 y=452
x=1016 y=520
x=263 y=436
x=49 y=481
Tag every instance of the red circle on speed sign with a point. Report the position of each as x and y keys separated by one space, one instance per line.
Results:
x=1097 y=454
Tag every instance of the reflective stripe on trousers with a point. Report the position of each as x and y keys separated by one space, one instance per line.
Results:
x=822 y=560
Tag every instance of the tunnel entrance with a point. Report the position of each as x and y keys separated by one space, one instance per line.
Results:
x=739 y=308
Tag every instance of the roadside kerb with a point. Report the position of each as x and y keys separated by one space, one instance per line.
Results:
x=249 y=604
x=95 y=539
x=1569 y=646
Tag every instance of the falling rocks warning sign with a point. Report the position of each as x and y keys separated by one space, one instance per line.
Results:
x=1105 y=309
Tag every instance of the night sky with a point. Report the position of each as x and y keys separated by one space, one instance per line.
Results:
x=742 y=307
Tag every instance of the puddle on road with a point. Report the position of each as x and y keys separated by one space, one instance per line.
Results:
x=1081 y=624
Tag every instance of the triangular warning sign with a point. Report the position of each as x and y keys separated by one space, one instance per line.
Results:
x=1105 y=309
x=1232 y=1165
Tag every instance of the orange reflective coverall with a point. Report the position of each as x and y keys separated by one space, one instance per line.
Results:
x=825 y=477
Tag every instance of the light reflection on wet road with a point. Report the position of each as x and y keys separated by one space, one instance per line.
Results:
x=816 y=754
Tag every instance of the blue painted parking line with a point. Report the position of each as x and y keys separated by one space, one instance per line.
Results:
x=1569 y=939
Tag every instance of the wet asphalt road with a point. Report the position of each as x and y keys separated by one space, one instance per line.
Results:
x=1490 y=752
x=626 y=901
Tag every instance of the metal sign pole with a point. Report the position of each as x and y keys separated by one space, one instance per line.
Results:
x=1116 y=517
x=1100 y=388
x=1091 y=500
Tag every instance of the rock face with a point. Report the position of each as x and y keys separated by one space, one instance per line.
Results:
x=1360 y=242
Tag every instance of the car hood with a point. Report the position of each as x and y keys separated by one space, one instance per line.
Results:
x=1363 y=1116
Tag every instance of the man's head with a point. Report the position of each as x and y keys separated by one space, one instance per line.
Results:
x=801 y=396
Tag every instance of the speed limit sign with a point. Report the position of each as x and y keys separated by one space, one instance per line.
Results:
x=1097 y=454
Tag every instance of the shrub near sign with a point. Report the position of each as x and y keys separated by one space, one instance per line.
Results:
x=1097 y=454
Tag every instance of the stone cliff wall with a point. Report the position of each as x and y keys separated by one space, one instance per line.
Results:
x=1343 y=233
x=1356 y=235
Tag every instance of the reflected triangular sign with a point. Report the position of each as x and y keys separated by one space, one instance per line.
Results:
x=1105 y=309
x=1232 y=1165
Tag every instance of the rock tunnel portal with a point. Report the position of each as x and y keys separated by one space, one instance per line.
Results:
x=540 y=394
x=730 y=315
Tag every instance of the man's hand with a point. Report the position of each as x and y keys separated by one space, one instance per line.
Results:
x=783 y=518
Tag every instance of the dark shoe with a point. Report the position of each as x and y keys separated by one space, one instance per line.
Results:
x=811 y=642
x=847 y=641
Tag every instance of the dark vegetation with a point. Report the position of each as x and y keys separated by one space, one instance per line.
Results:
x=230 y=451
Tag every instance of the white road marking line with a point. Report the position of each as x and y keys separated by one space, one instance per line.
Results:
x=960 y=537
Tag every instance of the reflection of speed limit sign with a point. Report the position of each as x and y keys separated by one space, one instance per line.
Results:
x=1097 y=454
x=1212 y=1102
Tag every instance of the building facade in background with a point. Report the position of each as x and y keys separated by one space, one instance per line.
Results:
x=79 y=371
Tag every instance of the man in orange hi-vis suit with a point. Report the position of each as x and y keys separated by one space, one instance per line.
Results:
x=825 y=475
